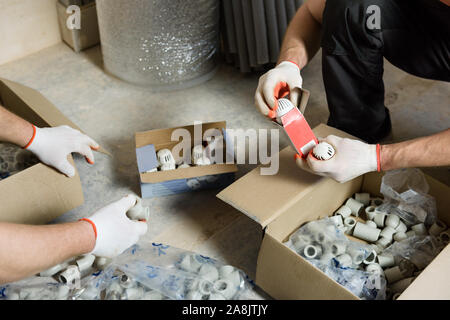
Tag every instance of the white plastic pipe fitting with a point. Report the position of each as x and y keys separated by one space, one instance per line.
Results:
x=371 y=224
x=392 y=220
x=375 y=268
x=401 y=227
x=126 y=281
x=70 y=276
x=337 y=220
x=355 y=206
x=370 y=212
x=376 y=248
x=357 y=254
x=338 y=248
x=102 y=262
x=388 y=233
x=420 y=229
x=371 y=258
x=376 y=202
x=364 y=198
x=399 y=236
x=312 y=252
x=379 y=218
x=205 y=287
x=436 y=228
x=190 y=263
x=383 y=242
x=84 y=264
x=349 y=224
x=386 y=260
x=139 y=212
x=344 y=260
x=208 y=272
x=344 y=211
x=365 y=232
x=225 y=287
x=393 y=274
x=166 y=159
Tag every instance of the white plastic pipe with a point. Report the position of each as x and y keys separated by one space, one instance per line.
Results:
x=379 y=218
x=393 y=274
x=70 y=275
x=364 y=198
x=420 y=229
x=349 y=224
x=209 y=272
x=344 y=211
x=225 y=288
x=392 y=220
x=387 y=232
x=365 y=232
x=53 y=270
x=355 y=206
x=386 y=260
x=436 y=228
x=370 y=212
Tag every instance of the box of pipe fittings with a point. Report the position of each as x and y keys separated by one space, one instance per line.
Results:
x=88 y=34
x=32 y=192
x=285 y=203
x=183 y=159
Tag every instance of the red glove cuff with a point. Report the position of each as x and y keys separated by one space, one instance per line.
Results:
x=32 y=138
x=92 y=224
x=378 y=157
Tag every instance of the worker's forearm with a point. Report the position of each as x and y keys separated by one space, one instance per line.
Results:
x=26 y=250
x=302 y=38
x=14 y=129
x=431 y=151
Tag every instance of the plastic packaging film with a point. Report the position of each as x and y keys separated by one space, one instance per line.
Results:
x=157 y=43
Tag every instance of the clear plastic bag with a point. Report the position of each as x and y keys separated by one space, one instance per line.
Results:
x=406 y=193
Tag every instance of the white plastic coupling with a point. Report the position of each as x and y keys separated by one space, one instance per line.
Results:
x=84 y=264
x=70 y=276
x=420 y=229
x=225 y=287
x=355 y=206
x=386 y=260
x=209 y=272
x=344 y=211
x=312 y=252
x=365 y=232
x=370 y=212
x=364 y=198
x=349 y=224
x=392 y=220
x=436 y=228
x=379 y=218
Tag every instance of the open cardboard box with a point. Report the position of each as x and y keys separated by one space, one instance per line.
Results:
x=162 y=183
x=283 y=202
x=38 y=194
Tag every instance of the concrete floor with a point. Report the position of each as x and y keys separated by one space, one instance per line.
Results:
x=111 y=111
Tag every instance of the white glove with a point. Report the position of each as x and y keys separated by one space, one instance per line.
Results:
x=115 y=232
x=53 y=145
x=352 y=159
x=277 y=83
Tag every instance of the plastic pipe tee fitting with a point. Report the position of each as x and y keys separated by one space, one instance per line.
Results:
x=355 y=206
x=365 y=232
x=337 y=220
x=364 y=198
x=371 y=224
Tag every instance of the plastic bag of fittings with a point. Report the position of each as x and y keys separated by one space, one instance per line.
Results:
x=406 y=191
x=176 y=274
x=420 y=250
x=328 y=249
x=35 y=288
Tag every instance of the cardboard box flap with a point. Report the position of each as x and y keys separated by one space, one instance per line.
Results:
x=264 y=198
x=32 y=106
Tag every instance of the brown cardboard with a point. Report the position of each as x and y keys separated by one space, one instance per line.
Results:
x=283 y=202
x=38 y=194
x=88 y=36
x=161 y=139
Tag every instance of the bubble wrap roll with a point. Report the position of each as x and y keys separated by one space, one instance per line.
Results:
x=159 y=43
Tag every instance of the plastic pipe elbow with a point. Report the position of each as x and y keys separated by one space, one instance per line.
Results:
x=365 y=232
x=388 y=233
x=355 y=206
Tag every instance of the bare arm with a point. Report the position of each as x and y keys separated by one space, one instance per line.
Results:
x=14 y=129
x=26 y=250
x=302 y=39
x=431 y=151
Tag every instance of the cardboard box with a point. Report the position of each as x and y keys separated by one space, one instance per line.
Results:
x=163 y=183
x=38 y=194
x=88 y=36
x=282 y=203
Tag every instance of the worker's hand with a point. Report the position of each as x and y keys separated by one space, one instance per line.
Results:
x=277 y=83
x=115 y=232
x=352 y=159
x=53 y=145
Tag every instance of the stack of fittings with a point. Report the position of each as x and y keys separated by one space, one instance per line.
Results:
x=212 y=283
x=254 y=31
x=163 y=44
x=14 y=159
x=381 y=229
x=201 y=155
x=70 y=273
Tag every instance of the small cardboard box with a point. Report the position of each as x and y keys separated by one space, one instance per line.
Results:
x=163 y=183
x=283 y=202
x=88 y=36
x=38 y=194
